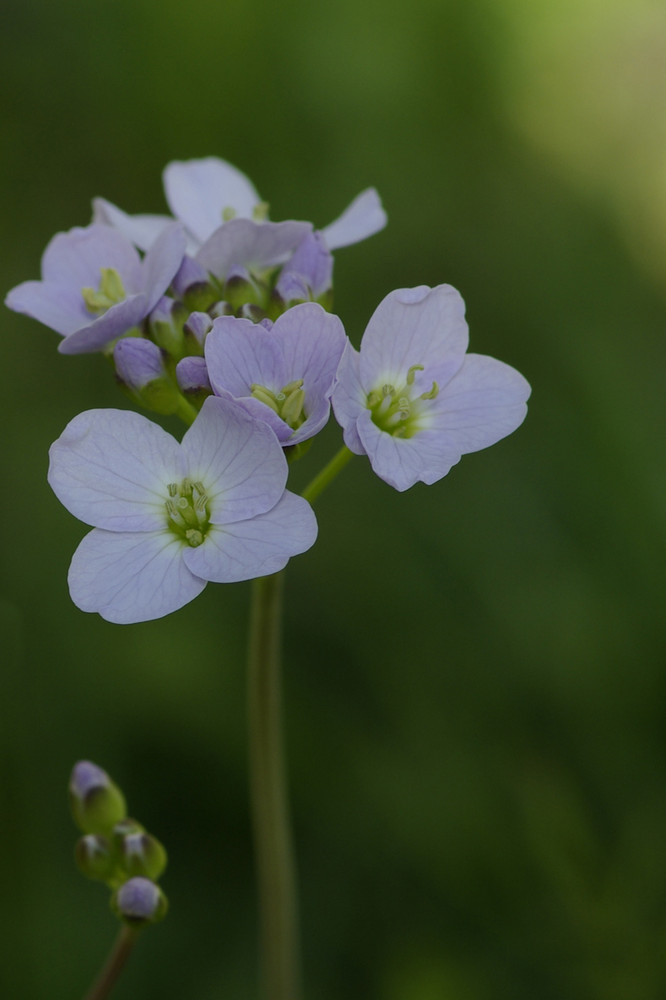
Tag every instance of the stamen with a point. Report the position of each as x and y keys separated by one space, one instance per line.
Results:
x=411 y=373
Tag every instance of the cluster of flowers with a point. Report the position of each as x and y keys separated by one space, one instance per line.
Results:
x=114 y=848
x=222 y=317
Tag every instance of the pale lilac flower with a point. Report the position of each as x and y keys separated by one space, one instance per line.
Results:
x=206 y=193
x=283 y=375
x=308 y=274
x=169 y=517
x=95 y=286
x=412 y=400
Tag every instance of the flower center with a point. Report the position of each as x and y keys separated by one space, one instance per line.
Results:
x=187 y=511
x=287 y=402
x=394 y=410
x=109 y=292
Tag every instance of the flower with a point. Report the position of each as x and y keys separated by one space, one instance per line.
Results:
x=412 y=400
x=283 y=375
x=169 y=517
x=206 y=193
x=95 y=287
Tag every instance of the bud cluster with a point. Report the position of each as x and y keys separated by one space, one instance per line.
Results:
x=116 y=849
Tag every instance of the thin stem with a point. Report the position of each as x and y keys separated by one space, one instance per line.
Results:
x=280 y=948
x=115 y=963
x=327 y=474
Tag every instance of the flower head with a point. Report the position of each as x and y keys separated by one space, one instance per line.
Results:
x=283 y=375
x=412 y=400
x=95 y=287
x=170 y=517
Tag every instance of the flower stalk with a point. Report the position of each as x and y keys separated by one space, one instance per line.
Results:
x=115 y=963
x=276 y=876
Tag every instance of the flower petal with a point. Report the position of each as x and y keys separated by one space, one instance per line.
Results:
x=74 y=259
x=412 y=326
x=111 y=469
x=255 y=547
x=162 y=261
x=237 y=458
x=61 y=309
x=198 y=192
x=244 y=243
x=363 y=217
x=349 y=398
x=141 y=230
x=113 y=323
x=483 y=403
x=131 y=577
x=401 y=462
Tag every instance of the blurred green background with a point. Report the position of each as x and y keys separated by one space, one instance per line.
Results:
x=475 y=671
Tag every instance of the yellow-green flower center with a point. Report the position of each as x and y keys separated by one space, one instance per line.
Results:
x=187 y=511
x=395 y=410
x=109 y=292
x=287 y=402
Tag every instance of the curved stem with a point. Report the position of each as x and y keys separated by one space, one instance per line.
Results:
x=327 y=474
x=280 y=949
x=115 y=963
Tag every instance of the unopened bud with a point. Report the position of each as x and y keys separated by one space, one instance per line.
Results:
x=142 y=854
x=96 y=858
x=139 y=901
x=96 y=802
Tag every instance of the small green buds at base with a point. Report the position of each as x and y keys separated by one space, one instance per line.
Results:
x=96 y=859
x=139 y=901
x=97 y=804
x=142 y=854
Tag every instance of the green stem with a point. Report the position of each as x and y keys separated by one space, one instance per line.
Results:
x=280 y=950
x=327 y=474
x=115 y=963
x=186 y=411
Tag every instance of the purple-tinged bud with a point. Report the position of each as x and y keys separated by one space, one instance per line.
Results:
x=191 y=284
x=197 y=327
x=142 y=854
x=138 y=362
x=253 y=312
x=220 y=309
x=239 y=289
x=166 y=325
x=192 y=376
x=125 y=827
x=96 y=858
x=309 y=273
x=96 y=802
x=139 y=901
x=140 y=369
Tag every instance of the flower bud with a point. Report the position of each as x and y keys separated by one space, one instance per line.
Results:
x=96 y=802
x=308 y=275
x=192 y=286
x=166 y=325
x=197 y=328
x=96 y=858
x=140 y=369
x=139 y=901
x=192 y=377
x=142 y=854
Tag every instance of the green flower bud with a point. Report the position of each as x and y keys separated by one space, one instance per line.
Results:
x=96 y=802
x=142 y=854
x=139 y=901
x=96 y=859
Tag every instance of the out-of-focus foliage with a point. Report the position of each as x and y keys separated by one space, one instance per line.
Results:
x=474 y=670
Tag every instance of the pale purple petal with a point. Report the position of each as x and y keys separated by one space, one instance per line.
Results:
x=256 y=547
x=359 y=220
x=111 y=469
x=237 y=458
x=138 y=362
x=198 y=192
x=401 y=462
x=413 y=326
x=483 y=403
x=349 y=398
x=309 y=272
x=62 y=309
x=74 y=259
x=131 y=577
x=162 y=262
x=240 y=353
x=101 y=332
x=244 y=243
x=141 y=230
